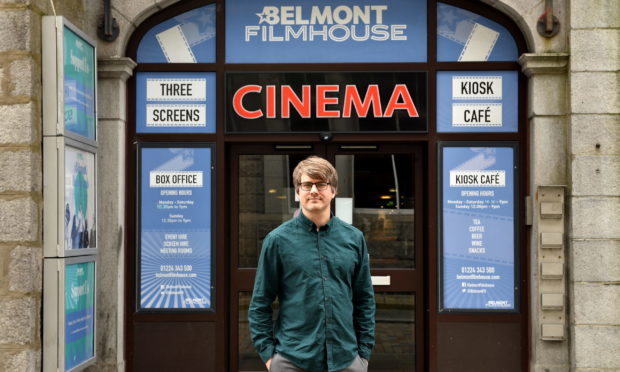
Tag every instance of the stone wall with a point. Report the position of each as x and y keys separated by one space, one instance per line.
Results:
x=20 y=187
x=595 y=181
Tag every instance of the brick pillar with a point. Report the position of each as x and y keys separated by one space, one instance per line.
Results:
x=20 y=189
x=595 y=177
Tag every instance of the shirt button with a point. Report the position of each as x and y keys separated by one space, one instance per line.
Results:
x=324 y=278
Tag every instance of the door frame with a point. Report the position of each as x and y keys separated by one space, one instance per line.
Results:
x=402 y=280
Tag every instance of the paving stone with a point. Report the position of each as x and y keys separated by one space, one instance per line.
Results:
x=18 y=220
x=596 y=175
x=18 y=320
x=25 y=269
x=596 y=347
x=16 y=124
x=595 y=13
x=21 y=171
x=595 y=92
x=595 y=50
x=595 y=260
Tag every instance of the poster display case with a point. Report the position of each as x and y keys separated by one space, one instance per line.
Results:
x=175 y=224
x=70 y=197
x=478 y=233
x=69 y=81
x=69 y=317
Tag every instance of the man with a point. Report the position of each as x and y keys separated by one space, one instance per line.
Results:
x=317 y=266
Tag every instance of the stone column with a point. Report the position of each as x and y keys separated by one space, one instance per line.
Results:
x=112 y=101
x=547 y=110
x=595 y=177
x=20 y=188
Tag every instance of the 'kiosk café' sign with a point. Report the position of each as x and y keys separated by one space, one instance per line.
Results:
x=326 y=101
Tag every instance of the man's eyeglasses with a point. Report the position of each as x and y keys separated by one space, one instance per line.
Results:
x=307 y=186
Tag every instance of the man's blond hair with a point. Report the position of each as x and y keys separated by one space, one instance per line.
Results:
x=316 y=168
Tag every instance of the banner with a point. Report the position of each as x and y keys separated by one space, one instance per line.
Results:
x=285 y=31
x=175 y=228
x=478 y=233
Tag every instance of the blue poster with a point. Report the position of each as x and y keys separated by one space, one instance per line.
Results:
x=79 y=313
x=175 y=102
x=284 y=31
x=478 y=228
x=186 y=38
x=469 y=37
x=477 y=101
x=175 y=228
x=79 y=85
x=80 y=207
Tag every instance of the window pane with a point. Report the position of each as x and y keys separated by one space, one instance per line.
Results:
x=186 y=38
x=394 y=333
x=248 y=357
x=466 y=36
x=266 y=199
x=375 y=194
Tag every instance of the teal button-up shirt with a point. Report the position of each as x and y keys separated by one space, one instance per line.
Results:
x=327 y=304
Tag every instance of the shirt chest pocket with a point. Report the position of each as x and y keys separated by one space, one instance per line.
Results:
x=299 y=264
x=345 y=262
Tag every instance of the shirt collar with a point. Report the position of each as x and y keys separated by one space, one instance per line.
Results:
x=309 y=225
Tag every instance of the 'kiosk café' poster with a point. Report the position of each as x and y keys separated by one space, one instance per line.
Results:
x=478 y=228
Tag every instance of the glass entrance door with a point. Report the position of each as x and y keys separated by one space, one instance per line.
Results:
x=380 y=193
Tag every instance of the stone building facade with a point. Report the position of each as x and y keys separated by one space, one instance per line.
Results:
x=573 y=112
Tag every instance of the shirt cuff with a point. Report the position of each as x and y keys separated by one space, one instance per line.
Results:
x=364 y=354
x=266 y=354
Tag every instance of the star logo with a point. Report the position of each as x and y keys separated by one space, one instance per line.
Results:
x=262 y=17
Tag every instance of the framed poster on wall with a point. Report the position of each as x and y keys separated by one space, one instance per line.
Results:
x=70 y=196
x=175 y=227
x=478 y=237
x=69 y=313
x=69 y=81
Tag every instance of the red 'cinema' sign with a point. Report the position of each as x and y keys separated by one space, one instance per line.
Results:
x=381 y=101
x=352 y=101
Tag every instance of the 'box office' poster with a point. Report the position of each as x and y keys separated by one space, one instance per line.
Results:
x=175 y=253
x=478 y=227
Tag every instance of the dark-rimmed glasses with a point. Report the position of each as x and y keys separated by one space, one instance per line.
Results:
x=320 y=186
